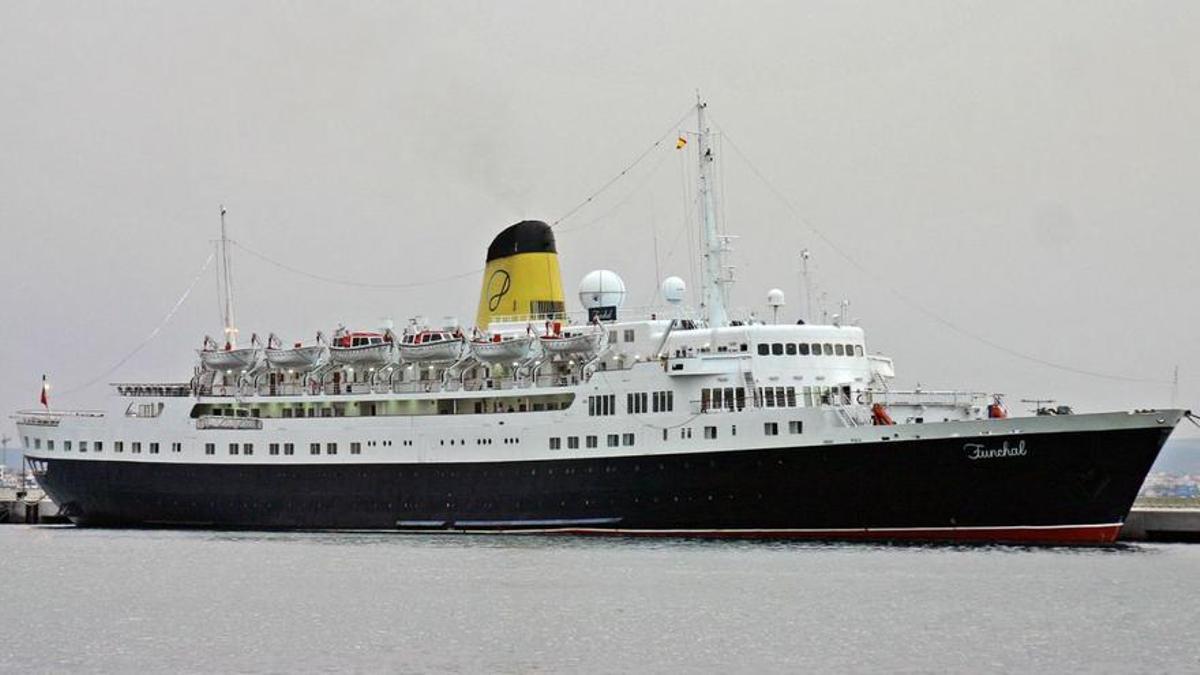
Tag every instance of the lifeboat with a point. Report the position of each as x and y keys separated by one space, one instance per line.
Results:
x=299 y=357
x=431 y=346
x=214 y=358
x=578 y=340
x=501 y=348
x=362 y=348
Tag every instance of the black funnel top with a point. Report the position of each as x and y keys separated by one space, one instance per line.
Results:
x=527 y=236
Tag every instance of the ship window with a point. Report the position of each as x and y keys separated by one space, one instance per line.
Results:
x=591 y=441
x=331 y=448
x=49 y=444
x=803 y=347
x=839 y=350
x=233 y=448
x=555 y=443
x=710 y=432
x=272 y=448
x=828 y=349
x=67 y=445
x=790 y=349
x=791 y=397
x=289 y=449
x=175 y=447
x=629 y=335
x=729 y=402
x=716 y=399
x=572 y=442
x=795 y=427
x=777 y=349
x=287 y=412
x=741 y=398
x=356 y=448
x=858 y=350
x=25 y=441
x=136 y=448
x=770 y=397
x=613 y=440
x=764 y=349
x=627 y=439
x=154 y=448
x=733 y=430
x=247 y=448
x=37 y=443
x=771 y=428
x=314 y=448
x=612 y=336
x=83 y=446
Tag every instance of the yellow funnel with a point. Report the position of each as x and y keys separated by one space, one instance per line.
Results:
x=522 y=277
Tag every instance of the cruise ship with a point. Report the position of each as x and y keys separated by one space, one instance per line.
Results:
x=684 y=421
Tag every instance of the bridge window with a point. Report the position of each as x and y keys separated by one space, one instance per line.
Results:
x=839 y=350
x=764 y=349
x=828 y=349
x=803 y=347
x=790 y=349
x=777 y=349
x=858 y=350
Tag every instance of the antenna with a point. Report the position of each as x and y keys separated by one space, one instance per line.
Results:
x=808 y=302
x=226 y=277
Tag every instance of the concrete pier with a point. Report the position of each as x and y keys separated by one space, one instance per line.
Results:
x=27 y=507
x=1147 y=523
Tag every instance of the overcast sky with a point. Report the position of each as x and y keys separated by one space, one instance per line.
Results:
x=1026 y=171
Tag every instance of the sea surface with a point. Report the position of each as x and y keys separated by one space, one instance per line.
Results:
x=182 y=601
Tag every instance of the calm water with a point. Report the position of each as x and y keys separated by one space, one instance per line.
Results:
x=194 y=601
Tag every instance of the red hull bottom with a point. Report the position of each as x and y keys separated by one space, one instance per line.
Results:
x=1064 y=535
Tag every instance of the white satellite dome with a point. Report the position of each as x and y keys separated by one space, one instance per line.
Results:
x=775 y=298
x=601 y=288
x=673 y=289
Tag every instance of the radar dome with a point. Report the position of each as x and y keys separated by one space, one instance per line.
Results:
x=673 y=289
x=601 y=288
x=775 y=298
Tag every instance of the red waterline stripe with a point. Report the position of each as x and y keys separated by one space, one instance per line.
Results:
x=1055 y=534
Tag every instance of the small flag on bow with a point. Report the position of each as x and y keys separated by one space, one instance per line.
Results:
x=682 y=141
x=45 y=398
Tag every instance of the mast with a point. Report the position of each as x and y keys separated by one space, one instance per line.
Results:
x=714 y=299
x=226 y=278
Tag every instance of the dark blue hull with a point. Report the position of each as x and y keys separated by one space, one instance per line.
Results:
x=1070 y=487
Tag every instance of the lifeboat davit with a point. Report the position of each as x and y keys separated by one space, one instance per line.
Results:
x=362 y=349
x=586 y=340
x=214 y=358
x=431 y=346
x=299 y=357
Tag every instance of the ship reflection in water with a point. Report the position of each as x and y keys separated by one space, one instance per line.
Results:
x=159 y=600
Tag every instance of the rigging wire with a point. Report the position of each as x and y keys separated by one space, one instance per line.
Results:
x=153 y=334
x=670 y=130
x=349 y=282
x=910 y=301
